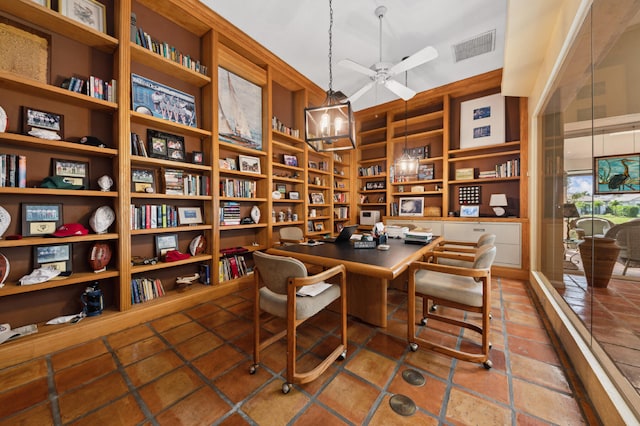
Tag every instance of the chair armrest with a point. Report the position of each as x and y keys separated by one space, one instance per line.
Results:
x=455 y=249
x=320 y=276
x=287 y=240
x=463 y=257
x=457 y=243
x=446 y=269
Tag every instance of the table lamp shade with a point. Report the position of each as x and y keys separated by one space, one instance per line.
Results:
x=499 y=202
x=569 y=210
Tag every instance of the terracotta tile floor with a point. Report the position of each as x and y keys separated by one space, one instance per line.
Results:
x=191 y=368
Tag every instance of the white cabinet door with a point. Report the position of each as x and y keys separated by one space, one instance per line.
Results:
x=434 y=225
x=508 y=238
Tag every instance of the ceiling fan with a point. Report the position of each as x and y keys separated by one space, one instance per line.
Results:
x=382 y=72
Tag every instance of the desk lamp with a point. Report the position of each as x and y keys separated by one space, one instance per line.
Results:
x=499 y=202
x=569 y=211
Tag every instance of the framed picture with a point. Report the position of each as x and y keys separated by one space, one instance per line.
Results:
x=318 y=226
x=469 y=211
x=189 y=215
x=166 y=242
x=309 y=226
x=197 y=157
x=157 y=100
x=240 y=110
x=249 y=164
x=617 y=174
x=165 y=145
x=40 y=219
x=290 y=160
x=42 y=124
x=412 y=206
x=375 y=185
x=419 y=152
x=57 y=256
x=426 y=171
x=281 y=188
x=45 y=3
x=143 y=180
x=469 y=194
x=88 y=12
x=317 y=198
x=482 y=121
x=233 y=164
x=75 y=172
x=294 y=195
x=173 y=181
x=313 y=165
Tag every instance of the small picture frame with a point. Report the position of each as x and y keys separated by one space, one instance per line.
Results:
x=412 y=206
x=40 y=218
x=294 y=195
x=469 y=211
x=57 y=256
x=143 y=180
x=316 y=198
x=318 y=226
x=165 y=243
x=165 y=145
x=42 y=124
x=249 y=164
x=233 y=164
x=375 y=185
x=189 y=215
x=426 y=171
x=88 y=12
x=313 y=165
x=290 y=160
x=281 y=188
x=75 y=172
x=197 y=157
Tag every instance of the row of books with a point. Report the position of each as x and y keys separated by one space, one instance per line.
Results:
x=278 y=125
x=507 y=169
x=151 y=216
x=341 y=212
x=371 y=170
x=138 y=146
x=178 y=182
x=238 y=188
x=230 y=213
x=13 y=170
x=340 y=197
x=144 y=289
x=167 y=51
x=232 y=267
x=93 y=86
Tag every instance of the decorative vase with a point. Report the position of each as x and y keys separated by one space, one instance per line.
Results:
x=598 y=256
x=255 y=214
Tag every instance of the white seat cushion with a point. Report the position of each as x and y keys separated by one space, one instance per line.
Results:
x=455 y=288
x=306 y=306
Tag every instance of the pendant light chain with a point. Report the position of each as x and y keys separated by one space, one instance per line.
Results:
x=330 y=94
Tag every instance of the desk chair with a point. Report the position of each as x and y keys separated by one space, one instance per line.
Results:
x=291 y=235
x=449 y=252
x=467 y=289
x=282 y=278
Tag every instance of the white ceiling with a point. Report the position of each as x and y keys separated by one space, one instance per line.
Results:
x=297 y=32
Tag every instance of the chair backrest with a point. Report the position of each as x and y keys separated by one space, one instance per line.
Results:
x=627 y=236
x=275 y=271
x=592 y=226
x=486 y=239
x=292 y=233
x=485 y=257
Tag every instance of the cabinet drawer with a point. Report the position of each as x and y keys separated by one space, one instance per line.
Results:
x=506 y=233
x=436 y=226
x=508 y=255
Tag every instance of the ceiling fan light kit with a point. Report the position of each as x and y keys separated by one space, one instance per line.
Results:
x=330 y=127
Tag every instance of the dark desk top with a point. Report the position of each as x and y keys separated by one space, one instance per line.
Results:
x=379 y=263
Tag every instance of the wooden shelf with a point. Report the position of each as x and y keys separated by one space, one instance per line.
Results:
x=168 y=126
x=190 y=228
x=41 y=241
x=62 y=146
x=167 y=66
x=75 y=278
x=163 y=265
x=51 y=192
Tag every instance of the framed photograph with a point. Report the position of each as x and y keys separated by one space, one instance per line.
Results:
x=309 y=226
x=313 y=165
x=42 y=124
x=469 y=211
x=45 y=3
x=240 y=110
x=482 y=121
x=375 y=185
x=290 y=160
x=412 y=206
x=189 y=215
x=57 y=256
x=166 y=145
x=75 y=172
x=197 y=157
x=40 y=219
x=419 y=152
x=317 y=198
x=318 y=226
x=143 y=180
x=157 y=100
x=294 y=195
x=173 y=181
x=166 y=242
x=426 y=171
x=281 y=188
x=249 y=164
x=88 y=12
x=233 y=164
x=617 y=174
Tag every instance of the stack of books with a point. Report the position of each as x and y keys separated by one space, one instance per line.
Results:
x=486 y=174
x=230 y=213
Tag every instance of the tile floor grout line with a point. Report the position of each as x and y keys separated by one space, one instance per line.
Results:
x=507 y=354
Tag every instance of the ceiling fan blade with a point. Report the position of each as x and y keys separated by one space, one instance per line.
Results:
x=399 y=89
x=354 y=66
x=361 y=92
x=420 y=57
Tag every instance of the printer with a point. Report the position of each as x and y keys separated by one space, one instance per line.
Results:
x=369 y=217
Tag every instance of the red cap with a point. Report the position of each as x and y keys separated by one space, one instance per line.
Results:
x=173 y=255
x=70 y=229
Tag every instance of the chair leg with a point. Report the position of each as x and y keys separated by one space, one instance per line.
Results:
x=256 y=323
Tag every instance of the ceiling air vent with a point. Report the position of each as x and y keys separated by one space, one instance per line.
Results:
x=478 y=45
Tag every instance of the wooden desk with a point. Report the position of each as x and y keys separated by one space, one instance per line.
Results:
x=368 y=271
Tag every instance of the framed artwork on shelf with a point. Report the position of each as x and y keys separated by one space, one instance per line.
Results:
x=617 y=174
x=294 y=195
x=375 y=185
x=166 y=242
x=419 y=152
x=42 y=124
x=157 y=100
x=426 y=171
x=40 y=218
x=313 y=164
x=249 y=164
x=57 y=256
x=197 y=157
x=74 y=172
x=469 y=211
x=317 y=198
x=88 y=12
x=189 y=215
x=318 y=226
x=482 y=121
x=290 y=160
x=166 y=145
x=469 y=194
x=281 y=188
x=240 y=110
x=412 y=206
x=143 y=180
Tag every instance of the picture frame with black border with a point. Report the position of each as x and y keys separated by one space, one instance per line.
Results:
x=197 y=157
x=411 y=206
x=281 y=188
x=166 y=145
x=42 y=120
x=165 y=243
x=88 y=12
x=375 y=185
x=469 y=211
x=58 y=256
x=249 y=164
x=318 y=226
x=189 y=216
x=290 y=160
x=294 y=195
x=74 y=172
x=313 y=165
x=143 y=179
x=41 y=218
x=317 y=198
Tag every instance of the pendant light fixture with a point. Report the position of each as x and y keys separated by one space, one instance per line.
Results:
x=406 y=165
x=330 y=127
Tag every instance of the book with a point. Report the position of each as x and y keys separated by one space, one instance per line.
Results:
x=312 y=289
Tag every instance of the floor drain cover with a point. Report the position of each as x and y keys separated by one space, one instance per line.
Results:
x=413 y=377
x=402 y=405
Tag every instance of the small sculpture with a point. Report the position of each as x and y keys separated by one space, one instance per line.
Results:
x=5 y=220
x=105 y=183
x=102 y=219
x=255 y=214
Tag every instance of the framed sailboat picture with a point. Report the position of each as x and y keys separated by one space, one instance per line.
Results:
x=239 y=110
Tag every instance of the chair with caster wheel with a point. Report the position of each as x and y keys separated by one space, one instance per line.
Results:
x=453 y=287
x=278 y=282
x=456 y=253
